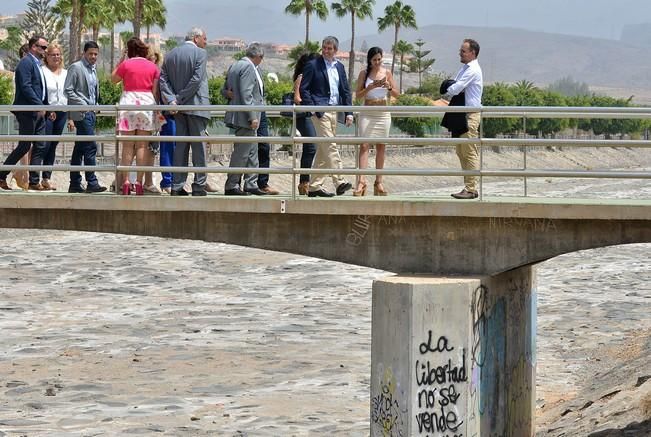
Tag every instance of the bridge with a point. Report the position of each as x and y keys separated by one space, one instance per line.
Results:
x=460 y=313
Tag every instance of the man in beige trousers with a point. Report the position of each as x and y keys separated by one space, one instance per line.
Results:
x=469 y=80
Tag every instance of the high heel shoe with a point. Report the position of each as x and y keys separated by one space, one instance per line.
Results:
x=21 y=184
x=361 y=190
x=378 y=189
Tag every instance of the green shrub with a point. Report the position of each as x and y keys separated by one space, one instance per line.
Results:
x=416 y=126
x=109 y=94
x=6 y=89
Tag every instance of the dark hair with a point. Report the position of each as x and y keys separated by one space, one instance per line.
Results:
x=90 y=45
x=300 y=64
x=34 y=40
x=23 y=50
x=135 y=47
x=474 y=45
x=371 y=53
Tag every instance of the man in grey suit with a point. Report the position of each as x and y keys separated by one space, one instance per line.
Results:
x=246 y=84
x=82 y=88
x=184 y=81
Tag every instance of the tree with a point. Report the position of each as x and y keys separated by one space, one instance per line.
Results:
x=120 y=12
x=11 y=44
x=104 y=42
x=97 y=16
x=138 y=6
x=397 y=15
x=76 y=11
x=569 y=87
x=169 y=44
x=358 y=9
x=403 y=48
x=154 y=14
x=300 y=49
x=422 y=64
x=309 y=7
x=41 y=19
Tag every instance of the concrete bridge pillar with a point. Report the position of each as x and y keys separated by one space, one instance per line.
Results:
x=454 y=356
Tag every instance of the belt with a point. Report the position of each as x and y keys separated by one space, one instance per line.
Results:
x=375 y=102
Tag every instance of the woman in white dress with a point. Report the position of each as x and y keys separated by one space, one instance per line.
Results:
x=376 y=86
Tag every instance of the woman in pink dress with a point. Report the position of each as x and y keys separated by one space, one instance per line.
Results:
x=139 y=77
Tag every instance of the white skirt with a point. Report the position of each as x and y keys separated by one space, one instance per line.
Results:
x=136 y=119
x=374 y=124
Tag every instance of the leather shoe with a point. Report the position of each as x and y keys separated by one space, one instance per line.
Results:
x=320 y=193
x=75 y=189
x=180 y=192
x=256 y=192
x=343 y=187
x=4 y=186
x=45 y=183
x=235 y=192
x=199 y=193
x=465 y=194
x=95 y=189
x=35 y=187
x=270 y=191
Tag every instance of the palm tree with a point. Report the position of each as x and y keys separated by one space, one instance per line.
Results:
x=138 y=7
x=97 y=16
x=358 y=9
x=73 y=9
x=397 y=15
x=154 y=14
x=104 y=42
x=403 y=48
x=121 y=11
x=300 y=49
x=309 y=7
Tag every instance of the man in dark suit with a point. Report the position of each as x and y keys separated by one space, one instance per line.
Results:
x=30 y=90
x=184 y=81
x=324 y=83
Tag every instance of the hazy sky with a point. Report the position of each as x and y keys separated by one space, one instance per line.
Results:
x=594 y=18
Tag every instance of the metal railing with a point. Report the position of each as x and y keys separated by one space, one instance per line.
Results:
x=396 y=111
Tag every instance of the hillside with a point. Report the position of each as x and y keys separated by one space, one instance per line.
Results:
x=508 y=55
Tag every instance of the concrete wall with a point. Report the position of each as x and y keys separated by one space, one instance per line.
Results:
x=454 y=356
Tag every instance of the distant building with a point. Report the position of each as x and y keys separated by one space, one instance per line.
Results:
x=11 y=20
x=227 y=44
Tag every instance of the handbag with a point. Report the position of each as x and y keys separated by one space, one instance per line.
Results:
x=288 y=100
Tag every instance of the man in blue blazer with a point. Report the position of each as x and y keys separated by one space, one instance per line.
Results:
x=324 y=83
x=30 y=90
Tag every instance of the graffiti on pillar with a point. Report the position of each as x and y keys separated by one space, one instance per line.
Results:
x=362 y=224
x=519 y=397
x=385 y=409
x=441 y=378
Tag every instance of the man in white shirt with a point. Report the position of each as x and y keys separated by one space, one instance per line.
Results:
x=469 y=80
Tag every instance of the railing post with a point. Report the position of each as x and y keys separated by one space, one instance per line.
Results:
x=294 y=151
x=524 y=127
x=117 y=151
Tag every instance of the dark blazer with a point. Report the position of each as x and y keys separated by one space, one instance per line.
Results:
x=455 y=122
x=315 y=86
x=29 y=87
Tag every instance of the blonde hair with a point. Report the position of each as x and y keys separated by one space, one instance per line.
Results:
x=154 y=55
x=52 y=47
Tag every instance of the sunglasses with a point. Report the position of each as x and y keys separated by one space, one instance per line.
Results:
x=43 y=47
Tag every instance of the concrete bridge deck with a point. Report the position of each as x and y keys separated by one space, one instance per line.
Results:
x=397 y=233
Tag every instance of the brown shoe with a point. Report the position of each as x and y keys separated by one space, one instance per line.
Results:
x=465 y=194
x=45 y=183
x=303 y=188
x=4 y=186
x=270 y=191
x=36 y=187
